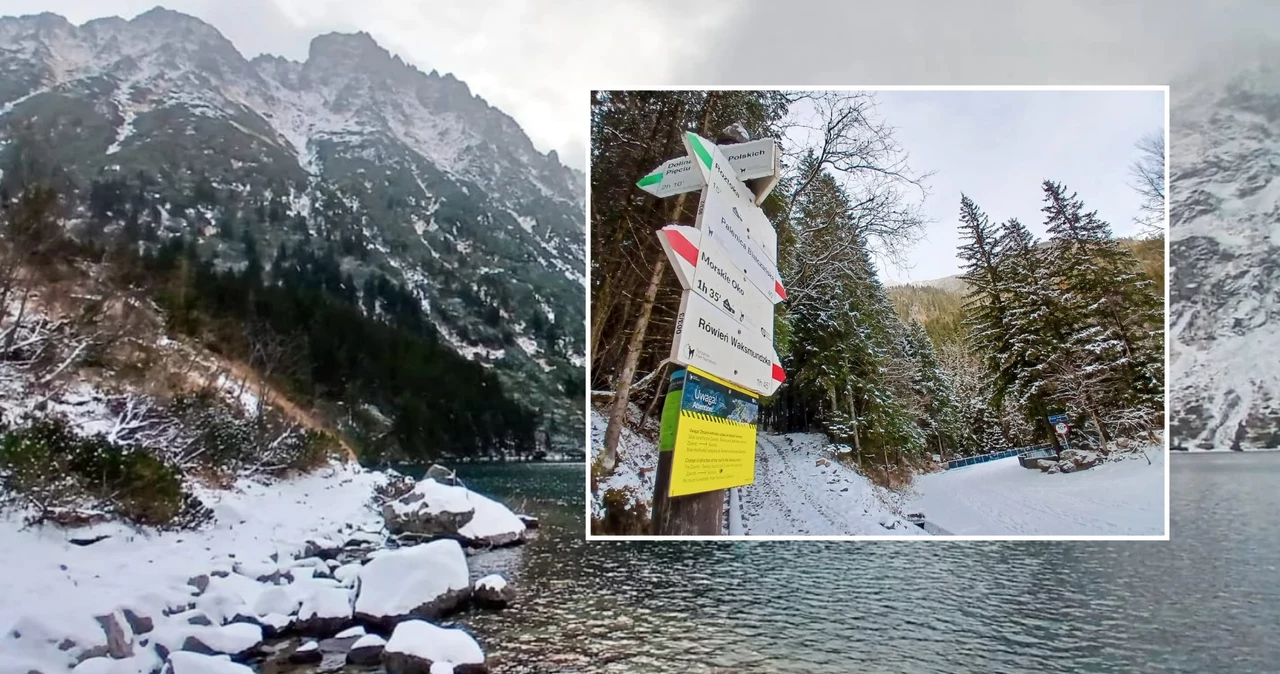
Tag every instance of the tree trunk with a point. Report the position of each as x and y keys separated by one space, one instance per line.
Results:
x=17 y=322
x=618 y=415
x=1102 y=435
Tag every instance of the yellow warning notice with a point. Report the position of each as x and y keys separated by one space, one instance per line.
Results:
x=715 y=439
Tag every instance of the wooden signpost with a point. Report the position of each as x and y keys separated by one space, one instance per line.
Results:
x=723 y=341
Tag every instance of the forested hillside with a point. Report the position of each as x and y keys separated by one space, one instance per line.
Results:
x=1069 y=324
x=386 y=248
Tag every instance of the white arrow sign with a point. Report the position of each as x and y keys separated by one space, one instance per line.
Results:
x=724 y=220
x=709 y=340
x=702 y=266
x=756 y=227
x=756 y=159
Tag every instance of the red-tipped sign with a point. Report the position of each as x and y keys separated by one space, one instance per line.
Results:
x=709 y=340
x=703 y=267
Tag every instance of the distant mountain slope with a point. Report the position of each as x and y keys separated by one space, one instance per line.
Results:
x=162 y=126
x=1225 y=200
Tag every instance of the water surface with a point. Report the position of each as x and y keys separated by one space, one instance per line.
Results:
x=1207 y=601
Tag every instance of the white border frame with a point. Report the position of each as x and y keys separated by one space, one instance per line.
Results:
x=587 y=366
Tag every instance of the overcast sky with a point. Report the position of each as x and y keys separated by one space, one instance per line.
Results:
x=997 y=147
x=538 y=65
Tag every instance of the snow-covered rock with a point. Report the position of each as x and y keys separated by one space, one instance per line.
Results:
x=417 y=646
x=1079 y=459
x=64 y=586
x=423 y=581
x=119 y=635
x=442 y=475
x=276 y=600
x=347 y=574
x=63 y=643
x=236 y=639
x=322 y=548
x=145 y=661
x=367 y=650
x=435 y=509
x=263 y=572
x=306 y=654
x=326 y=611
x=493 y=591
x=357 y=631
x=194 y=663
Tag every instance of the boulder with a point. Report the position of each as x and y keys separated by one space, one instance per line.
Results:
x=442 y=475
x=325 y=612
x=357 y=632
x=347 y=574
x=235 y=639
x=277 y=600
x=119 y=635
x=424 y=581
x=66 y=641
x=192 y=617
x=138 y=622
x=1044 y=464
x=181 y=662
x=414 y=514
x=366 y=651
x=435 y=509
x=200 y=582
x=306 y=654
x=272 y=624
x=415 y=646
x=263 y=572
x=493 y=591
x=322 y=548
x=1079 y=459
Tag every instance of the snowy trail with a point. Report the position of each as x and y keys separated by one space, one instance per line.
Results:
x=1003 y=498
x=793 y=495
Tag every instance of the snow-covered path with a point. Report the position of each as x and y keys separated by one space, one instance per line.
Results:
x=793 y=495
x=1003 y=498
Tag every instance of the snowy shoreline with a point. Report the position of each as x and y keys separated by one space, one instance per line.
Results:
x=311 y=556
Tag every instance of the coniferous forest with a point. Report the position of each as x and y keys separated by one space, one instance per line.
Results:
x=362 y=354
x=1071 y=324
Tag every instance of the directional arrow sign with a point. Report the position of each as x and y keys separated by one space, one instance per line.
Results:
x=708 y=339
x=732 y=195
x=756 y=159
x=760 y=230
x=724 y=220
x=703 y=267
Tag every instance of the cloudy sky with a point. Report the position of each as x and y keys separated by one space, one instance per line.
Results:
x=538 y=65
x=997 y=147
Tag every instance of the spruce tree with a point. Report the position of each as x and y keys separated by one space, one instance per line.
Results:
x=1112 y=315
x=987 y=302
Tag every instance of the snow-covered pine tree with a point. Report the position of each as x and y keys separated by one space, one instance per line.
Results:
x=940 y=418
x=988 y=301
x=1112 y=315
x=1033 y=324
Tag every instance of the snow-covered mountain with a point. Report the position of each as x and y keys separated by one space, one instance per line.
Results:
x=1225 y=255
x=407 y=173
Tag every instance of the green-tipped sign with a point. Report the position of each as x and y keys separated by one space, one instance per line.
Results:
x=757 y=159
